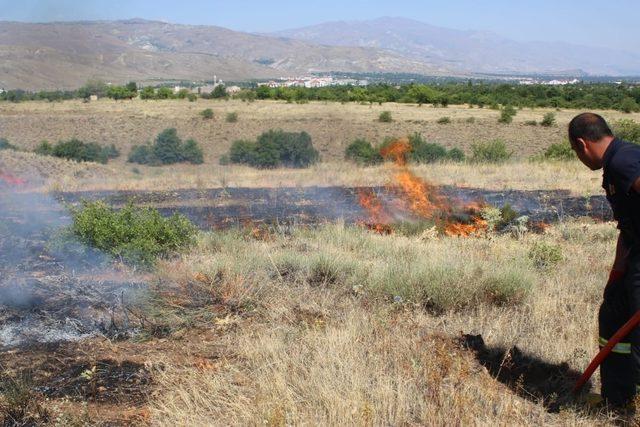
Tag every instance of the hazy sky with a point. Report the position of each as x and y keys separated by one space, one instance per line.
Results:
x=611 y=23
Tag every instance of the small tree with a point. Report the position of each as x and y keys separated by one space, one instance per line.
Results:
x=548 y=120
x=629 y=105
x=148 y=93
x=167 y=148
x=219 y=92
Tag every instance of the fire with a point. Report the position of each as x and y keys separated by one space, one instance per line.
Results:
x=419 y=198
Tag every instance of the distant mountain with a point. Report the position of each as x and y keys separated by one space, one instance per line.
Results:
x=468 y=51
x=65 y=55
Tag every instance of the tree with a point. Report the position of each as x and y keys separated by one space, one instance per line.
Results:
x=132 y=87
x=167 y=147
x=164 y=93
x=219 y=92
x=147 y=93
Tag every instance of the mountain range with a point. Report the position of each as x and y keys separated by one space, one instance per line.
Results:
x=63 y=55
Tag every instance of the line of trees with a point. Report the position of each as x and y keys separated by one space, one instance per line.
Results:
x=623 y=97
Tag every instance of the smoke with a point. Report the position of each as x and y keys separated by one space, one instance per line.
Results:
x=52 y=292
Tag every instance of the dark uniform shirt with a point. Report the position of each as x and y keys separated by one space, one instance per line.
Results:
x=621 y=169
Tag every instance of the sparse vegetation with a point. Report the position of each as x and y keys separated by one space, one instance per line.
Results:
x=531 y=123
x=207 y=114
x=5 y=145
x=548 y=120
x=232 y=117
x=444 y=120
x=490 y=152
x=385 y=117
x=507 y=113
x=167 y=149
x=133 y=235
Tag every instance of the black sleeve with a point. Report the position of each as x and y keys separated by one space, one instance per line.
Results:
x=627 y=168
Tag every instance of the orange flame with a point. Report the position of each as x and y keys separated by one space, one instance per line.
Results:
x=417 y=196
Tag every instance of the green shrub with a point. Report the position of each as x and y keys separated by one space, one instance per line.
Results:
x=629 y=105
x=361 y=151
x=192 y=97
x=531 y=123
x=134 y=235
x=628 y=130
x=242 y=152
x=167 y=149
x=559 y=151
x=142 y=154
x=544 y=255
x=490 y=152
x=224 y=160
x=470 y=119
x=44 y=149
x=5 y=145
x=506 y=114
x=275 y=148
x=456 y=155
x=192 y=153
x=79 y=151
x=385 y=117
x=444 y=120
x=548 y=120
x=232 y=117
x=207 y=114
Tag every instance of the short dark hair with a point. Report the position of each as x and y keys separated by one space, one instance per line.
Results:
x=589 y=126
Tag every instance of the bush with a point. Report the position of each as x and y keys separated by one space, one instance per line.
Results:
x=232 y=117
x=444 y=120
x=275 y=148
x=507 y=114
x=192 y=97
x=167 y=149
x=531 y=123
x=456 y=155
x=548 y=120
x=385 y=117
x=361 y=151
x=142 y=154
x=192 y=153
x=44 y=149
x=490 y=152
x=629 y=105
x=544 y=255
x=134 y=235
x=79 y=151
x=5 y=145
x=207 y=114
x=628 y=130
x=559 y=151
x=242 y=152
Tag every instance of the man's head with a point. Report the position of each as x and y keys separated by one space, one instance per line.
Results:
x=590 y=136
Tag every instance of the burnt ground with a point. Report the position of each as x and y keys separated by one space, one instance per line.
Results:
x=226 y=207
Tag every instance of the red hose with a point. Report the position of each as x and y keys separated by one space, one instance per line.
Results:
x=615 y=339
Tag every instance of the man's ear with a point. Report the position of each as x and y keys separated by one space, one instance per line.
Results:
x=581 y=145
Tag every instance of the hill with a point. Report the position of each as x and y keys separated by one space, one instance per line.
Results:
x=468 y=51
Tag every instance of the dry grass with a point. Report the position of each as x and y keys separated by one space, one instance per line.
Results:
x=331 y=125
x=309 y=352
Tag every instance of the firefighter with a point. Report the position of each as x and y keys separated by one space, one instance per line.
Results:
x=597 y=147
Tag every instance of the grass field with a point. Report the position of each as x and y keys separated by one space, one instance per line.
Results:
x=336 y=325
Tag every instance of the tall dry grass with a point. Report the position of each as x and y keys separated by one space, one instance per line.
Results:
x=304 y=351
